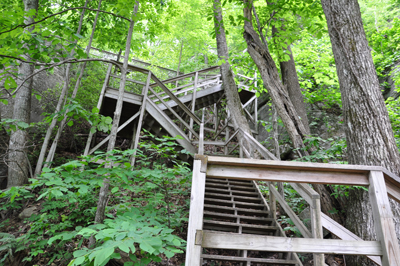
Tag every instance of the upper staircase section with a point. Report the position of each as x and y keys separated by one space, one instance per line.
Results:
x=173 y=106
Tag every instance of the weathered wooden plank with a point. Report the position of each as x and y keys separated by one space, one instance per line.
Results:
x=282 y=244
x=294 y=165
x=128 y=79
x=170 y=126
x=295 y=219
x=383 y=218
x=343 y=233
x=201 y=139
x=128 y=96
x=118 y=130
x=175 y=99
x=316 y=228
x=305 y=191
x=210 y=142
x=260 y=148
x=284 y=175
x=176 y=115
x=193 y=251
x=238 y=259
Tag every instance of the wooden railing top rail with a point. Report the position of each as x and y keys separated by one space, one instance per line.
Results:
x=297 y=172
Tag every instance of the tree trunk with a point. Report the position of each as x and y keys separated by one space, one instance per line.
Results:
x=291 y=82
x=369 y=135
x=18 y=173
x=50 y=155
x=228 y=81
x=4 y=140
x=102 y=202
x=60 y=104
x=269 y=74
x=282 y=102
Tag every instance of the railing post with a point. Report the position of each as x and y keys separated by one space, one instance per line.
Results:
x=196 y=78
x=193 y=250
x=316 y=228
x=272 y=200
x=383 y=219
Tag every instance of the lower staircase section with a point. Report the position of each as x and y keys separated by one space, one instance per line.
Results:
x=237 y=207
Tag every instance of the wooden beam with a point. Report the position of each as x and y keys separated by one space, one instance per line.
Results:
x=343 y=233
x=283 y=175
x=306 y=192
x=282 y=244
x=175 y=99
x=295 y=219
x=193 y=251
x=118 y=130
x=294 y=165
x=383 y=219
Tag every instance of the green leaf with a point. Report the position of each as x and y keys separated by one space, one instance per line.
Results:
x=103 y=255
x=114 y=190
x=70 y=123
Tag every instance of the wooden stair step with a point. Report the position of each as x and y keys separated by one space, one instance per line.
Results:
x=240 y=211
x=241 y=259
x=248 y=219
x=236 y=193
x=264 y=227
x=235 y=198
x=253 y=205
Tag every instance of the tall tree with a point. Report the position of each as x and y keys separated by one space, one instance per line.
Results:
x=370 y=139
x=281 y=100
x=230 y=87
x=18 y=172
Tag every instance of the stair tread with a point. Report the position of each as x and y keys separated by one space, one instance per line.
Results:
x=267 y=227
x=233 y=196
x=238 y=202
x=235 y=208
x=240 y=259
x=224 y=190
x=222 y=215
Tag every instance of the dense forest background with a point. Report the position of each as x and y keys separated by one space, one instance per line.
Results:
x=54 y=56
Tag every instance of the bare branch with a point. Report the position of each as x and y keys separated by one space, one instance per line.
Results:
x=70 y=61
x=58 y=13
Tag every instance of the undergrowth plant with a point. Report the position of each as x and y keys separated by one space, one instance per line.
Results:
x=146 y=205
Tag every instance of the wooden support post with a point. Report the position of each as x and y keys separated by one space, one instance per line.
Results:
x=383 y=219
x=196 y=79
x=193 y=249
x=272 y=200
x=226 y=150
x=99 y=104
x=141 y=116
x=316 y=228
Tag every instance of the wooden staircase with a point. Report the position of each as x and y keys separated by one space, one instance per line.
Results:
x=169 y=111
x=230 y=222
x=237 y=206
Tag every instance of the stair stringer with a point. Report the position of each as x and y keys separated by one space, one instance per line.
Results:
x=169 y=126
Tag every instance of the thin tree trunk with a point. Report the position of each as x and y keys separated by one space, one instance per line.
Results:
x=101 y=204
x=60 y=104
x=291 y=82
x=269 y=73
x=18 y=165
x=52 y=151
x=370 y=139
x=4 y=140
x=228 y=81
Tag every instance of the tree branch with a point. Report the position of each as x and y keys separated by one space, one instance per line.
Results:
x=70 y=61
x=58 y=13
